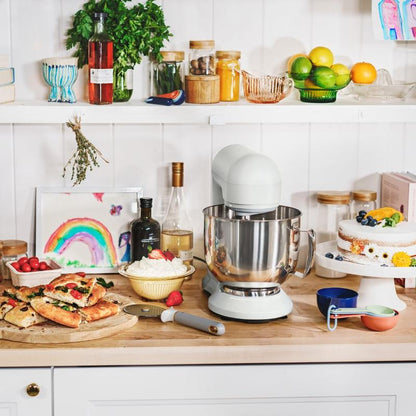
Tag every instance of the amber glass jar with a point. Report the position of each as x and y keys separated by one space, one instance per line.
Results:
x=228 y=69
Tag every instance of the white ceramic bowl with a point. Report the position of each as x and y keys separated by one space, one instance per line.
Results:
x=155 y=288
x=30 y=279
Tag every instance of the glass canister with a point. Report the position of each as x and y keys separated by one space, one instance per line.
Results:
x=167 y=76
x=228 y=69
x=202 y=57
x=333 y=207
x=362 y=200
x=11 y=250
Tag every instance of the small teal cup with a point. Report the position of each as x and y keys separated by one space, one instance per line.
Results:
x=338 y=296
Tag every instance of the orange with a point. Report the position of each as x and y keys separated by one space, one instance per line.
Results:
x=292 y=58
x=384 y=212
x=363 y=73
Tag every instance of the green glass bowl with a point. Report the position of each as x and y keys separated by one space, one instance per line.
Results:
x=317 y=95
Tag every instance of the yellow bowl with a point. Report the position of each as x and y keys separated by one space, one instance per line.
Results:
x=155 y=288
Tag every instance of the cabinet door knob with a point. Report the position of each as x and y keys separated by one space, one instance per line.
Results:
x=32 y=389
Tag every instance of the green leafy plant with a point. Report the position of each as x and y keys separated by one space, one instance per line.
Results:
x=137 y=31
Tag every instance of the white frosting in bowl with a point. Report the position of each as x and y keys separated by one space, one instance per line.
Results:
x=156 y=268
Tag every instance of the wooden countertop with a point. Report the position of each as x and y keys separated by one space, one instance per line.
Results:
x=302 y=337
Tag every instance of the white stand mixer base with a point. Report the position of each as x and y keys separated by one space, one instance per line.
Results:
x=251 y=308
x=376 y=291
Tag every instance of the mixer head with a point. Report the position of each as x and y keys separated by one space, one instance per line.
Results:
x=249 y=181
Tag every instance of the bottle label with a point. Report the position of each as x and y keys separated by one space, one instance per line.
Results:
x=101 y=76
x=186 y=255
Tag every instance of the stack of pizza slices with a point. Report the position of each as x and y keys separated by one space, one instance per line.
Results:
x=68 y=300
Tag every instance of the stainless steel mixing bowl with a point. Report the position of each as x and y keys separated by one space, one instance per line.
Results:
x=254 y=248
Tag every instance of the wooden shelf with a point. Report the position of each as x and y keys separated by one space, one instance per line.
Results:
x=344 y=110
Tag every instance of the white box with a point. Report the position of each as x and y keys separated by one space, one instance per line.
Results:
x=31 y=279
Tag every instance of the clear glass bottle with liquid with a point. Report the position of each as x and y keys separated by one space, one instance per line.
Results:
x=177 y=230
x=362 y=200
x=333 y=207
x=145 y=232
x=100 y=63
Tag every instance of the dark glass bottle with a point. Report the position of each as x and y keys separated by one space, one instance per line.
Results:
x=145 y=232
x=100 y=63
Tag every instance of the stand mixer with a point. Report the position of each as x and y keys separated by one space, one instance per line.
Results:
x=251 y=242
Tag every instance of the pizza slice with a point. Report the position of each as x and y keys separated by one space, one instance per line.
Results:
x=6 y=304
x=102 y=309
x=23 y=315
x=25 y=293
x=98 y=292
x=57 y=311
x=71 y=288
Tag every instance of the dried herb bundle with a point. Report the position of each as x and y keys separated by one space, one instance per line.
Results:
x=85 y=156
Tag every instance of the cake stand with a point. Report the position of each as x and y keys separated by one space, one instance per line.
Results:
x=377 y=282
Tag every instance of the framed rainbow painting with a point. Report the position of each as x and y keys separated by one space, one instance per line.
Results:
x=85 y=229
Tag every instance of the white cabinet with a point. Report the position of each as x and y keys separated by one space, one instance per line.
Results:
x=26 y=392
x=236 y=390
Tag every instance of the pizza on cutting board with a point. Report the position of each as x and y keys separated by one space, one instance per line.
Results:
x=69 y=300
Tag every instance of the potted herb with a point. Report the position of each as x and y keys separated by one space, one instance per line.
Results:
x=136 y=31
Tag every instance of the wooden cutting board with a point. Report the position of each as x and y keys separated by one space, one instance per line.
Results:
x=53 y=333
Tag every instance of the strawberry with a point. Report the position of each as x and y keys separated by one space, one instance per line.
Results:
x=175 y=298
x=156 y=254
x=168 y=255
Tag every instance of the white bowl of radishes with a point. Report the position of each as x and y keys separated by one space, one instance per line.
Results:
x=32 y=271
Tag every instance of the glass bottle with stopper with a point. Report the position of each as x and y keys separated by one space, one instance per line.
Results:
x=145 y=232
x=177 y=232
x=100 y=63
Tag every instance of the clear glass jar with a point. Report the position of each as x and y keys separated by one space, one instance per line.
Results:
x=362 y=201
x=12 y=250
x=228 y=69
x=202 y=57
x=167 y=76
x=334 y=206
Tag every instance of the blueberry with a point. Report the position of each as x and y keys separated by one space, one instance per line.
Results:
x=339 y=258
x=369 y=217
x=359 y=218
x=372 y=222
x=364 y=221
x=329 y=255
x=362 y=213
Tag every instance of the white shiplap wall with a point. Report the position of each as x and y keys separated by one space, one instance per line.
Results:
x=311 y=157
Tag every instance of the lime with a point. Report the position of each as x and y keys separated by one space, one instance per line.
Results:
x=343 y=74
x=301 y=68
x=323 y=77
x=292 y=58
x=321 y=56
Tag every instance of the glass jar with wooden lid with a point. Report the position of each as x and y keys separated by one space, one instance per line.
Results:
x=362 y=200
x=168 y=75
x=11 y=250
x=228 y=69
x=202 y=57
x=334 y=206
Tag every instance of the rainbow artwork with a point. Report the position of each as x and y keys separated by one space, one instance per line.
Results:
x=394 y=19
x=88 y=231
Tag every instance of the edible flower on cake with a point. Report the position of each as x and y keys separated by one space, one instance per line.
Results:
x=159 y=264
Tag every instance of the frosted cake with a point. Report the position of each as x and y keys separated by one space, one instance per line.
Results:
x=378 y=237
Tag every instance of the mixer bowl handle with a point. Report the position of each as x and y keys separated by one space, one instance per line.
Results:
x=311 y=252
